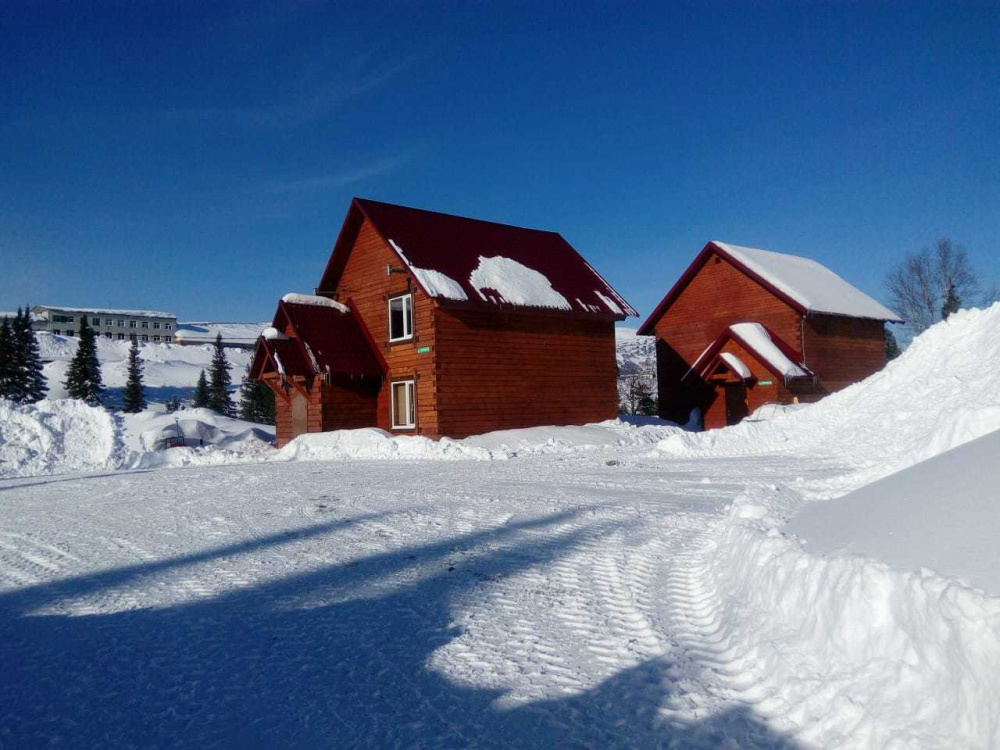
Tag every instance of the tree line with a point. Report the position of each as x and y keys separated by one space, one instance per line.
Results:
x=23 y=381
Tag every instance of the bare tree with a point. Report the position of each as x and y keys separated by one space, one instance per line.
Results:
x=920 y=285
x=637 y=398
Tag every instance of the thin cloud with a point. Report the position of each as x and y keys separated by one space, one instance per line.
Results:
x=345 y=177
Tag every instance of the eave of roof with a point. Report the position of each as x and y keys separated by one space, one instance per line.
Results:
x=705 y=359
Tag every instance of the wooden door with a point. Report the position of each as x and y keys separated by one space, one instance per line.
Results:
x=300 y=414
x=736 y=403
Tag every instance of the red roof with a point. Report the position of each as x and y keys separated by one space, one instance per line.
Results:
x=706 y=360
x=454 y=246
x=325 y=340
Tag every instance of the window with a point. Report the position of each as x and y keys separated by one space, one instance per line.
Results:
x=156 y=324
x=108 y=335
x=403 y=412
x=145 y=337
x=131 y=337
x=95 y=321
x=132 y=324
x=121 y=336
x=69 y=333
x=57 y=331
x=108 y=322
x=121 y=323
x=166 y=326
x=401 y=318
x=62 y=318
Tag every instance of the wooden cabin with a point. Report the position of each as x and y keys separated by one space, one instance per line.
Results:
x=430 y=324
x=744 y=327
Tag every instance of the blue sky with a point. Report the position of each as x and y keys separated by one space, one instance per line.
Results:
x=200 y=157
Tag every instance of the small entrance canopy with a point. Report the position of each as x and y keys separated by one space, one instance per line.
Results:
x=314 y=336
x=767 y=348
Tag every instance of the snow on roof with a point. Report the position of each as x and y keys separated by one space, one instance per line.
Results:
x=757 y=338
x=443 y=252
x=736 y=365
x=206 y=332
x=812 y=285
x=292 y=298
x=107 y=311
x=435 y=283
x=504 y=280
x=271 y=334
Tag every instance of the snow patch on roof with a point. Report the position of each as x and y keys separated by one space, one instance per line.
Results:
x=271 y=334
x=610 y=303
x=515 y=284
x=309 y=299
x=811 y=284
x=736 y=365
x=435 y=283
x=206 y=332
x=756 y=337
x=107 y=311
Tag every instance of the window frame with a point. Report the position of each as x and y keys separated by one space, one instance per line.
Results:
x=133 y=324
x=407 y=319
x=410 y=389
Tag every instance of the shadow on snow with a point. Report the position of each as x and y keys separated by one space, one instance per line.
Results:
x=331 y=657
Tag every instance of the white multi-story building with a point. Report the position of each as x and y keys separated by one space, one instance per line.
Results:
x=122 y=325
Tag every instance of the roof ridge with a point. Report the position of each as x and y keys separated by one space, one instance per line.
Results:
x=361 y=201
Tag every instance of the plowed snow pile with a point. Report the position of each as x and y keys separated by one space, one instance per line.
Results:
x=850 y=650
x=53 y=437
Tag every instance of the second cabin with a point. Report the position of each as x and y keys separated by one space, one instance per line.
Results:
x=438 y=325
x=744 y=327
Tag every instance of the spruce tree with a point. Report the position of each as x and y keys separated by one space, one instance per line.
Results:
x=201 y=395
x=891 y=346
x=134 y=396
x=6 y=365
x=219 y=381
x=952 y=302
x=17 y=371
x=32 y=377
x=83 y=379
x=256 y=400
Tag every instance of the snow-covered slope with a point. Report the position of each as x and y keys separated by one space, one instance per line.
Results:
x=169 y=369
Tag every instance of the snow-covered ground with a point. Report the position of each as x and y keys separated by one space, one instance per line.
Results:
x=169 y=369
x=615 y=585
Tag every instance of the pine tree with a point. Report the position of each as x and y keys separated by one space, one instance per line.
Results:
x=256 y=400
x=219 y=381
x=83 y=379
x=32 y=376
x=891 y=346
x=134 y=396
x=201 y=394
x=952 y=302
x=6 y=365
x=17 y=381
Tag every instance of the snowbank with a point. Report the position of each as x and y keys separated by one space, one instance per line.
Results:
x=376 y=444
x=55 y=437
x=941 y=514
x=863 y=654
x=942 y=392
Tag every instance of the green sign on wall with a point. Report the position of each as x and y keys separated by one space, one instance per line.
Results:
x=765 y=382
x=423 y=349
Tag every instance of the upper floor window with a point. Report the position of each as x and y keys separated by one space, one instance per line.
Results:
x=121 y=323
x=62 y=318
x=95 y=321
x=108 y=322
x=132 y=323
x=401 y=318
x=156 y=324
x=145 y=324
x=166 y=326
